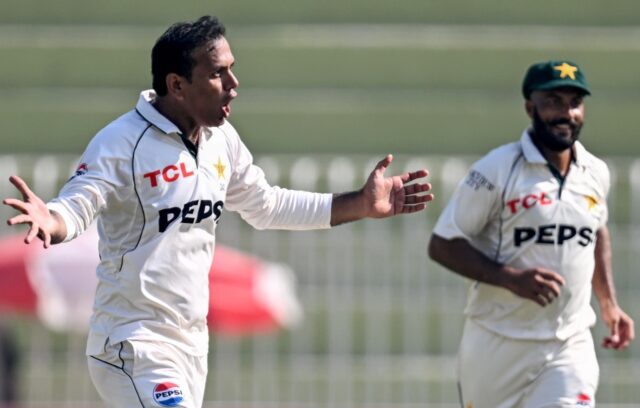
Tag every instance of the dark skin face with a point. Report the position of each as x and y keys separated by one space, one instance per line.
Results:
x=557 y=116
x=203 y=101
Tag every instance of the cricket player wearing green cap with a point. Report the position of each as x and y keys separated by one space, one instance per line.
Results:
x=528 y=225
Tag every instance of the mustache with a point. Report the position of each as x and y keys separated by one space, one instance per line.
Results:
x=572 y=124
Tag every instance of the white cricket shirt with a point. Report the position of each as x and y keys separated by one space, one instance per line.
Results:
x=516 y=211
x=158 y=205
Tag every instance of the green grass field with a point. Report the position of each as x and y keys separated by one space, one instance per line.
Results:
x=321 y=100
x=569 y=12
x=426 y=77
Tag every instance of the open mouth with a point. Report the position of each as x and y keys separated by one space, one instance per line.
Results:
x=226 y=108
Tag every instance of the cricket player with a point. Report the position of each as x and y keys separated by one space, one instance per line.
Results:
x=528 y=225
x=157 y=180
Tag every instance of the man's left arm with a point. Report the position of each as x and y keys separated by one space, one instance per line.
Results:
x=621 y=331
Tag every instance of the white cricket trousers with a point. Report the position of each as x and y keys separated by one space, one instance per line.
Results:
x=500 y=372
x=148 y=374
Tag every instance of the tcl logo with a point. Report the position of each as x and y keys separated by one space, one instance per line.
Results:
x=169 y=174
x=191 y=213
x=552 y=234
x=528 y=201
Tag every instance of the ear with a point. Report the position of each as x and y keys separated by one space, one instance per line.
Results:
x=528 y=106
x=174 y=84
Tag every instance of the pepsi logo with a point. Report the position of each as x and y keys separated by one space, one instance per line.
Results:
x=583 y=400
x=82 y=169
x=167 y=394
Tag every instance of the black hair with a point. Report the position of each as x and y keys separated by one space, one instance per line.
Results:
x=172 y=51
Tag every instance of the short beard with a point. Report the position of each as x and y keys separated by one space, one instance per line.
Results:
x=543 y=134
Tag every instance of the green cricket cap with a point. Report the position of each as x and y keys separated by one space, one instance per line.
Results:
x=544 y=76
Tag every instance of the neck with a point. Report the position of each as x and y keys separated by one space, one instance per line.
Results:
x=561 y=160
x=177 y=116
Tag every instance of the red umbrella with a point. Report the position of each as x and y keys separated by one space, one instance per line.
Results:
x=16 y=292
x=247 y=295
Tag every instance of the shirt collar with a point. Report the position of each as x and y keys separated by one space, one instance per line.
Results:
x=151 y=115
x=533 y=155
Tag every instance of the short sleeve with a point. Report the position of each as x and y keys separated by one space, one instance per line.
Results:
x=473 y=204
x=604 y=176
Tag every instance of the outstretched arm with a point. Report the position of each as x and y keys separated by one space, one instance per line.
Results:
x=44 y=224
x=382 y=196
x=537 y=284
x=621 y=330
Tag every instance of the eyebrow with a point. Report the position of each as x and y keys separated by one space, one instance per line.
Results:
x=555 y=94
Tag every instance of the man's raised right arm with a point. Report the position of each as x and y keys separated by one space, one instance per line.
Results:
x=43 y=223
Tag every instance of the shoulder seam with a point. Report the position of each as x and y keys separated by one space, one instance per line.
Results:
x=148 y=121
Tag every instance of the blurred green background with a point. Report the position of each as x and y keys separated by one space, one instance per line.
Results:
x=326 y=76
x=366 y=77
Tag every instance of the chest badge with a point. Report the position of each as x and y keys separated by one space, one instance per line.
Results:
x=592 y=202
x=220 y=168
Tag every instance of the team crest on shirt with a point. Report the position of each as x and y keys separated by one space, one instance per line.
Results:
x=592 y=202
x=584 y=400
x=220 y=168
x=167 y=394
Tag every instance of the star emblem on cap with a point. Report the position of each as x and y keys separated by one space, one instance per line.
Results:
x=566 y=70
x=220 y=167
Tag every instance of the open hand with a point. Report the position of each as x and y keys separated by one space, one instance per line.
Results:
x=387 y=196
x=34 y=212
